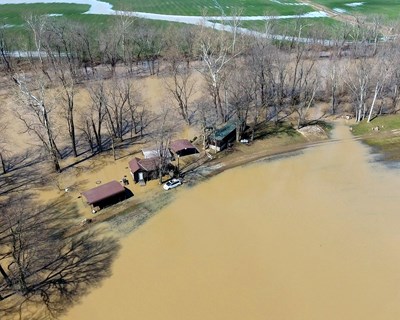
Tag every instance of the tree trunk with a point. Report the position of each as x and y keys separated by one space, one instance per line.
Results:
x=3 y=164
x=71 y=127
x=97 y=137
x=5 y=276
x=373 y=102
x=113 y=148
x=52 y=145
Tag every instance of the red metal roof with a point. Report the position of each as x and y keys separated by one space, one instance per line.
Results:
x=181 y=144
x=134 y=165
x=151 y=164
x=104 y=191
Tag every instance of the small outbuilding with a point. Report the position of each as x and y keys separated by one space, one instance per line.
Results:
x=183 y=147
x=154 y=152
x=219 y=139
x=143 y=170
x=105 y=195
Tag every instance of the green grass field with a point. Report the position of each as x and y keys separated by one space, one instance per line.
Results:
x=386 y=140
x=210 y=7
x=323 y=28
x=389 y=122
x=13 y=14
x=389 y=9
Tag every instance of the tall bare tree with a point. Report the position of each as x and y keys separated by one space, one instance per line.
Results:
x=5 y=49
x=113 y=43
x=38 y=24
x=163 y=130
x=217 y=49
x=121 y=100
x=393 y=82
x=149 y=46
x=34 y=110
x=3 y=146
x=241 y=97
x=181 y=86
x=97 y=113
x=380 y=76
x=358 y=81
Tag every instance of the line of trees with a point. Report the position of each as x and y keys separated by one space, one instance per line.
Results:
x=211 y=77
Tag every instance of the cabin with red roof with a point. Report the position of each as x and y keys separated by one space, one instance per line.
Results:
x=105 y=195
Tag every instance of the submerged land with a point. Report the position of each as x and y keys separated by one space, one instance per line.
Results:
x=283 y=210
x=306 y=231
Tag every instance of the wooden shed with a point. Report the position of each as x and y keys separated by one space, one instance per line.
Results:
x=143 y=170
x=183 y=147
x=105 y=195
x=219 y=139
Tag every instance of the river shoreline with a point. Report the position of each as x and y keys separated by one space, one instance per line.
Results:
x=123 y=219
x=295 y=238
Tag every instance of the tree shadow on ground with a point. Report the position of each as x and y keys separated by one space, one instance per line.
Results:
x=265 y=130
x=46 y=269
x=26 y=172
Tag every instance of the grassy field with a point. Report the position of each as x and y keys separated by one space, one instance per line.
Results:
x=210 y=7
x=323 y=28
x=389 y=9
x=12 y=14
x=386 y=140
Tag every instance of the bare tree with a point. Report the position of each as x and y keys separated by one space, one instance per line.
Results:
x=121 y=101
x=34 y=113
x=381 y=73
x=183 y=41
x=113 y=44
x=263 y=67
x=3 y=146
x=217 y=50
x=5 y=49
x=85 y=48
x=97 y=113
x=37 y=24
x=280 y=83
x=205 y=118
x=85 y=126
x=150 y=44
x=68 y=97
x=181 y=87
x=307 y=97
x=393 y=82
x=358 y=81
x=241 y=97
x=163 y=130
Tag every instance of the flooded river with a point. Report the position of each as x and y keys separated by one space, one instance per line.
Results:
x=313 y=236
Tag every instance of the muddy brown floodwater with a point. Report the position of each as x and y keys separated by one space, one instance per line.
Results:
x=313 y=236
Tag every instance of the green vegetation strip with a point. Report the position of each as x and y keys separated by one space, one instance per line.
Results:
x=386 y=140
x=323 y=28
x=13 y=14
x=389 y=9
x=210 y=7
